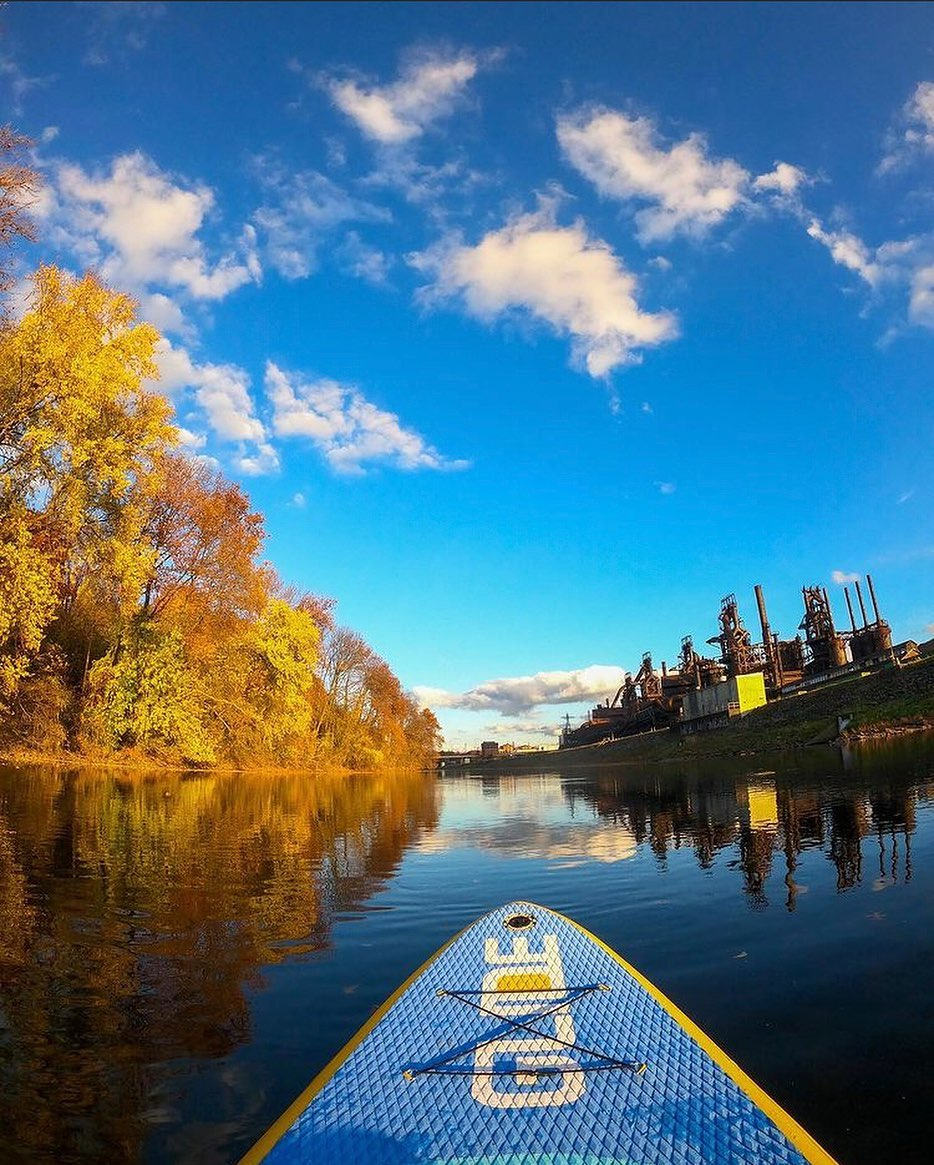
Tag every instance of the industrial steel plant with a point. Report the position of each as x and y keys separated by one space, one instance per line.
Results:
x=704 y=692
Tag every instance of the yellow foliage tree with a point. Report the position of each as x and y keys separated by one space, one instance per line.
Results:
x=133 y=599
x=27 y=601
x=79 y=432
x=79 y=440
x=144 y=694
x=281 y=653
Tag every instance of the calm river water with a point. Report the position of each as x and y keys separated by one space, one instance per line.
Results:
x=180 y=954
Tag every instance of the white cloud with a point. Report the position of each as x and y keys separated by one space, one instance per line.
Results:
x=115 y=29
x=141 y=228
x=841 y=576
x=428 y=88
x=261 y=461
x=302 y=210
x=622 y=156
x=666 y=487
x=363 y=261
x=514 y=726
x=688 y=190
x=849 y=251
x=785 y=180
x=162 y=312
x=574 y=283
x=19 y=82
x=348 y=429
x=646 y=407
x=394 y=117
x=915 y=134
x=523 y=693
x=906 y=496
x=921 y=296
x=189 y=440
x=298 y=501
x=905 y=266
x=222 y=391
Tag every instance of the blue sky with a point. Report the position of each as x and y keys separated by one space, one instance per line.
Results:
x=533 y=329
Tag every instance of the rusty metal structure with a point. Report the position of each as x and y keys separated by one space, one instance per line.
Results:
x=653 y=699
x=737 y=652
x=696 y=671
x=644 y=701
x=783 y=659
x=825 y=646
x=871 y=640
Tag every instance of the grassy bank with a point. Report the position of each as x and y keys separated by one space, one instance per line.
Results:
x=884 y=704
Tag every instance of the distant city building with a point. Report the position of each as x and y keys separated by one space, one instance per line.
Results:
x=489 y=748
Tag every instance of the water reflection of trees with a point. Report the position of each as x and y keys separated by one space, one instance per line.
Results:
x=135 y=913
x=767 y=819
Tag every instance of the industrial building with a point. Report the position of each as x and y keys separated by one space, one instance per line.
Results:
x=711 y=707
x=704 y=692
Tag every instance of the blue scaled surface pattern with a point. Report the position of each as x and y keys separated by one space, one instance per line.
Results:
x=526 y=1041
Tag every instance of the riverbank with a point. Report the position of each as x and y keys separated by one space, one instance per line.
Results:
x=879 y=705
x=141 y=762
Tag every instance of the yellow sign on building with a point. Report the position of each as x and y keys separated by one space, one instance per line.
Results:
x=750 y=691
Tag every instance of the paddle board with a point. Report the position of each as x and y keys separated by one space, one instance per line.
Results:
x=527 y=1041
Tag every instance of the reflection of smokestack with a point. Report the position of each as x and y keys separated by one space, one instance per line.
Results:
x=862 y=605
x=872 y=595
x=849 y=607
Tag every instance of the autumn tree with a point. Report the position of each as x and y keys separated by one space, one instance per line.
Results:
x=279 y=660
x=134 y=599
x=79 y=440
x=19 y=187
x=204 y=575
x=345 y=658
x=423 y=732
x=145 y=694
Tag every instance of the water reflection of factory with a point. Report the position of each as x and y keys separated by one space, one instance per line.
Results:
x=865 y=832
x=704 y=692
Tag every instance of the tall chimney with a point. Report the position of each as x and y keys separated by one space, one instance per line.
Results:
x=763 y=618
x=767 y=645
x=872 y=595
x=849 y=607
x=862 y=605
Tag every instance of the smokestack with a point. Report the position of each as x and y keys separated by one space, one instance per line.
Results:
x=849 y=607
x=763 y=618
x=664 y=669
x=872 y=595
x=768 y=646
x=862 y=605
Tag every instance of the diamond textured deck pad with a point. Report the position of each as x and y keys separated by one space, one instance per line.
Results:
x=527 y=1042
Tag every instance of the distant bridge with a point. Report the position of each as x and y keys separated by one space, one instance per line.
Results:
x=451 y=760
